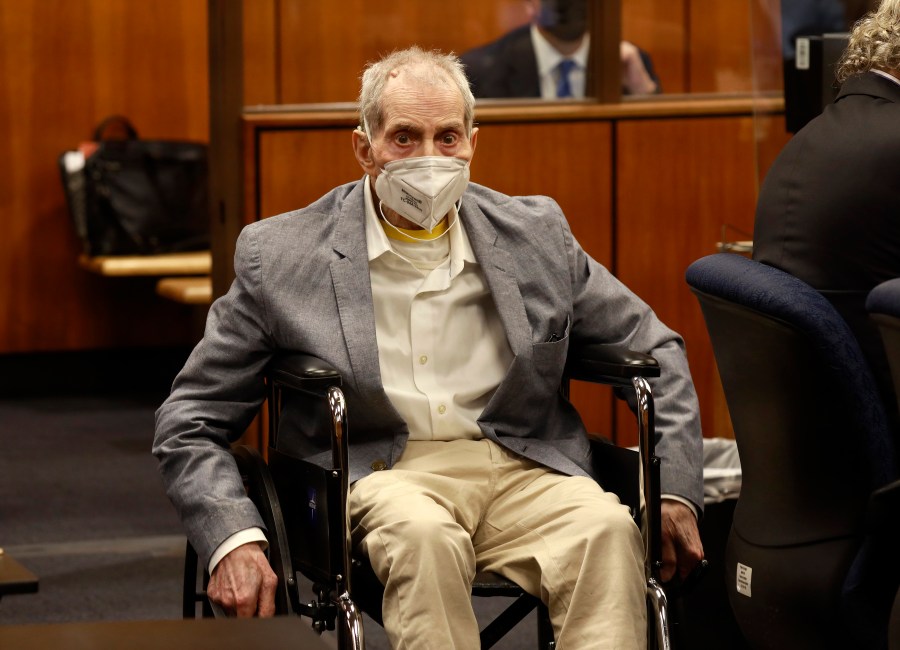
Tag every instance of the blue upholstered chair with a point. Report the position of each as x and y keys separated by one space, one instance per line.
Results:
x=883 y=304
x=804 y=567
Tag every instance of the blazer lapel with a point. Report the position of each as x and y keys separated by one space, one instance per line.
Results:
x=498 y=266
x=353 y=292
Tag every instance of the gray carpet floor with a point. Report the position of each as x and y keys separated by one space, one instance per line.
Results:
x=82 y=506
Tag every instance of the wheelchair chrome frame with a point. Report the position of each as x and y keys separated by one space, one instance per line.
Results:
x=650 y=480
x=352 y=633
x=340 y=451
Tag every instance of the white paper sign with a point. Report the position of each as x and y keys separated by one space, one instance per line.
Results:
x=744 y=577
x=802 y=60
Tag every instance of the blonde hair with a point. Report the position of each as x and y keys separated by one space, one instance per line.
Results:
x=874 y=43
x=433 y=62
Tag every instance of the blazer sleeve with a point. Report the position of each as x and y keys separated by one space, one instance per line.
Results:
x=213 y=400
x=606 y=311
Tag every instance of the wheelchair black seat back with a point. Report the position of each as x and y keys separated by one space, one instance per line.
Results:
x=303 y=504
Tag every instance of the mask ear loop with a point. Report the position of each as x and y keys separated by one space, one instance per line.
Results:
x=420 y=239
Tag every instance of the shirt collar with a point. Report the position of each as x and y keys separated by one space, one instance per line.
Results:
x=548 y=57
x=887 y=75
x=377 y=242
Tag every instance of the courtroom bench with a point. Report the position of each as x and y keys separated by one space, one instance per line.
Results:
x=186 y=276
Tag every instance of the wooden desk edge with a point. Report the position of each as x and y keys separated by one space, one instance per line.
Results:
x=741 y=246
x=193 y=263
x=186 y=290
x=281 y=632
x=528 y=110
x=15 y=578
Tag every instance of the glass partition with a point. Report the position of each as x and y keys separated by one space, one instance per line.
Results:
x=794 y=45
x=301 y=52
x=322 y=50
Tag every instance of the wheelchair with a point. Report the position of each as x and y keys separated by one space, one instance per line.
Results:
x=304 y=505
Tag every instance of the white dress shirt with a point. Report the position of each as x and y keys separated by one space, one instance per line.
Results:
x=887 y=75
x=441 y=345
x=548 y=58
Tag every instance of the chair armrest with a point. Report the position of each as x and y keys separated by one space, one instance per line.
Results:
x=883 y=512
x=606 y=364
x=302 y=372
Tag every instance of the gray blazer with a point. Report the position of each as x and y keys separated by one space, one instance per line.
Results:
x=302 y=284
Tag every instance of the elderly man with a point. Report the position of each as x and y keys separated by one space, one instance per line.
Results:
x=448 y=308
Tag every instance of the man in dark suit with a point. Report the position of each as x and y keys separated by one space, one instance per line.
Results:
x=548 y=57
x=829 y=209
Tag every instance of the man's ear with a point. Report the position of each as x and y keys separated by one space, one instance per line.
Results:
x=362 y=149
x=473 y=139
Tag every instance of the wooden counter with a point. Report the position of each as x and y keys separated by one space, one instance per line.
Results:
x=15 y=578
x=192 y=263
x=281 y=633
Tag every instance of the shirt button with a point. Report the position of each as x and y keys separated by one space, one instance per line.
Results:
x=423 y=359
x=442 y=409
x=378 y=465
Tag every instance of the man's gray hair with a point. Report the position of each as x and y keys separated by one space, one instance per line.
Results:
x=437 y=68
x=874 y=43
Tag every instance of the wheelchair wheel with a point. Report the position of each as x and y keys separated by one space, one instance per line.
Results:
x=261 y=490
x=194 y=588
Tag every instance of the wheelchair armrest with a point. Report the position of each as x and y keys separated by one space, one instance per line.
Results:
x=606 y=364
x=302 y=372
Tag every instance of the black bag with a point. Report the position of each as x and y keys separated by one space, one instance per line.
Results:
x=137 y=197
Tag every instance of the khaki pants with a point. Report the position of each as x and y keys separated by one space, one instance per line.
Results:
x=447 y=509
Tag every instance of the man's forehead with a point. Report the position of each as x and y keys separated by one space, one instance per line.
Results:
x=420 y=77
x=410 y=97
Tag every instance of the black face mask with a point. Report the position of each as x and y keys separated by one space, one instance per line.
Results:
x=564 y=19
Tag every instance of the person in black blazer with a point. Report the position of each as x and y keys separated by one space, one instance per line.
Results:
x=509 y=66
x=829 y=209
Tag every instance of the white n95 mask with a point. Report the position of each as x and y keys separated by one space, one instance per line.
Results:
x=423 y=189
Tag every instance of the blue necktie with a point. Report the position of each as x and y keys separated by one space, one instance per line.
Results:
x=564 y=87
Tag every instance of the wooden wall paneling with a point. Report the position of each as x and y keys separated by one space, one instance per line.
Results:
x=261 y=42
x=571 y=162
x=325 y=46
x=63 y=69
x=660 y=28
x=719 y=46
x=148 y=60
x=771 y=137
x=679 y=182
x=226 y=97
x=296 y=167
x=568 y=161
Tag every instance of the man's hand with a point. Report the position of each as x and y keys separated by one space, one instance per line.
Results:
x=243 y=583
x=635 y=78
x=681 y=545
